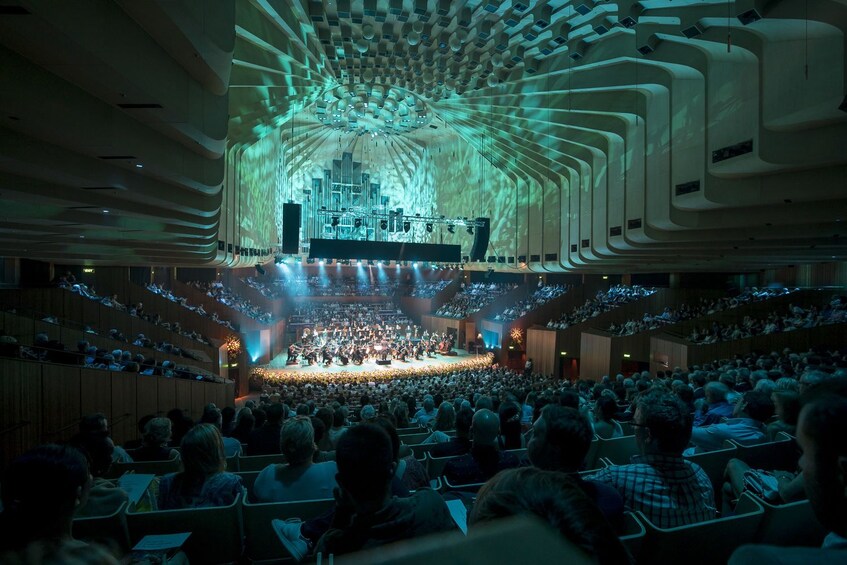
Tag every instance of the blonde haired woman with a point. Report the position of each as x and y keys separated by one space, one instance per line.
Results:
x=154 y=442
x=203 y=481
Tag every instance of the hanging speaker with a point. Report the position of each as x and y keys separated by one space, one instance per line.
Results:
x=291 y=228
x=480 y=239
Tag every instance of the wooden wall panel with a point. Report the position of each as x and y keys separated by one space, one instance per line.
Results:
x=183 y=397
x=147 y=396
x=60 y=399
x=124 y=416
x=595 y=350
x=541 y=348
x=198 y=398
x=95 y=392
x=167 y=395
x=20 y=408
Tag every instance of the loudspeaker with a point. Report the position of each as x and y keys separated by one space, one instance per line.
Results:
x=291 y=228
x=480 y=239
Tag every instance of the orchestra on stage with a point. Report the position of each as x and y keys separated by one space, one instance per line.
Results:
x=359 y=344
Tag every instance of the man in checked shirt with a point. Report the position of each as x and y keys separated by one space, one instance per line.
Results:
x=670 y=490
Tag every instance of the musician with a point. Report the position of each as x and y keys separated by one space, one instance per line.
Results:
x=293 y=352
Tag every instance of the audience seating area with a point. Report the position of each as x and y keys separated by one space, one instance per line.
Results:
x=472 y=298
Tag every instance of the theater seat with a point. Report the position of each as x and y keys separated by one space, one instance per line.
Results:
x=258 y=462
x=262 y=542
x=157 y=468
x=618 y=451
x=789 y=524
x=109 y=529
x=632 y=533
x=216 y=532
x=714 y=464
x=703 y=543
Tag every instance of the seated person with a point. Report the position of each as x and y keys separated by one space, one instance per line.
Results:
x=366 y=514
x=716 y=406
x=461 y=444
x=558 y=500
x=445 y=421
x=154 y=442
x=485 y=458
x=605 y=425
x=41 y=490
x=203 y=481
x=213 y=415
x=746 y=427
x=820 y=428
x=560 y=441
x=426 y=413
x=786 y=404
x=299 y=478
x=105 y=497
x=669 y=490
x=264 y=440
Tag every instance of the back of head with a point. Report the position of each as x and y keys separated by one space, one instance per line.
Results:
x=96 y=422
x=445 y=419
x=428 y=404
x=558 y=500
x=275 y=412
x=561 y=439
x=40 y=492
x=485 y=427
x=297 y=440
x=606 y=408
x=509 y=414
x=202 y=451
x=365 y=462
x=787 y=405
x=667 y=419
x=98 y=448
x=386 y=424
x=758 y=405
x=484 y=403
x=569 y=399
x=211 y=415
x=157 y=432
x=464 y=419
x=716 y=392
x=325 y=414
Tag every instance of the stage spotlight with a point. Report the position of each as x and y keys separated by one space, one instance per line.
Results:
x=335 y=221
x=359 y=263
x=383 y=224
x=429 y=228
x=470 y=230
x=451 y=228
x=321 y=262
x=407 y=226
x=415 y=265
x=357 y=222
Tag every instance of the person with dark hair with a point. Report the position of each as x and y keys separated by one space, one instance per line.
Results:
x=560 y=442
x=410 y=474
x=786 y=404
x=461 y=444
x=104 y=498
x=98 y=422
x=445 y=421
x=265 y=440
x=339 y=423
x=244 y=423
x=203 y=480
x=41 y=490
x=510 y=425
x=485 y=458
x=227 y=419
x=820 y=434
x=213 y=415
x=142 y=424
x=366 y=515
x=180 y=425
x=558 y=500
x=605 y=425
x=716 y=406
x=670 y=490
x=747 y=426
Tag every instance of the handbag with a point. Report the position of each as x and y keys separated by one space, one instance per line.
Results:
x=763 y=484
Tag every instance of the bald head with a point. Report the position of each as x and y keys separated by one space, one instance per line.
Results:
x=485 y=428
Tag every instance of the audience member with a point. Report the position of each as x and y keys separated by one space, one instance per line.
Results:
x=154 y=442
x=746 y=427
x=557 y=499
x=299 y=478
x=366 y=515
x=670 y=490
x=485 y=458
x=203 y=480
x=265 y=440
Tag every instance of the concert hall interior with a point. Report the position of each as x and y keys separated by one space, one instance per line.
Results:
x=331 y=213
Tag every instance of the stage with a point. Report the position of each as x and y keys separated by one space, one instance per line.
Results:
x=278 y=370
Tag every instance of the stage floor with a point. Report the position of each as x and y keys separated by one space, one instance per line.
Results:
x=277 y=365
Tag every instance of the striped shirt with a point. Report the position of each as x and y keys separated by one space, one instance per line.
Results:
x=669 y=490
